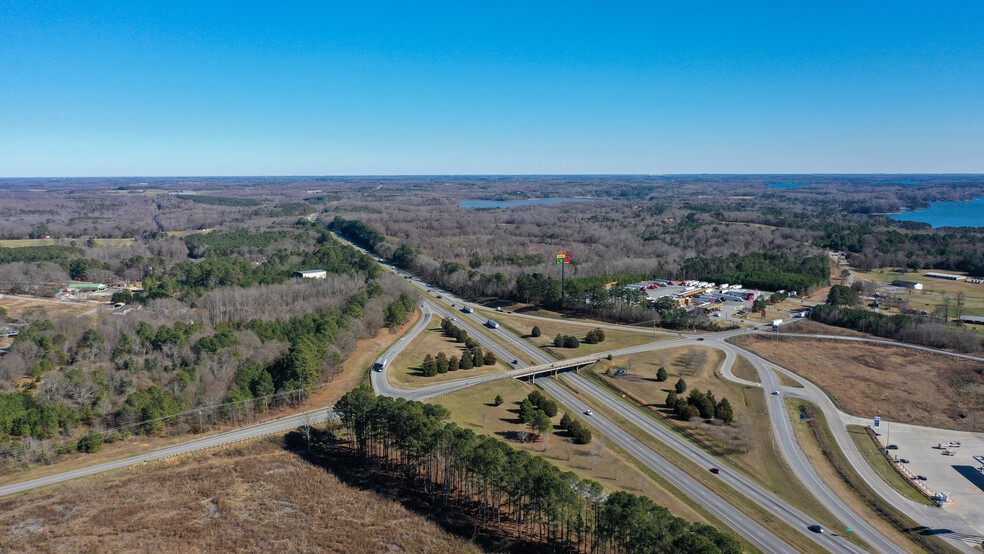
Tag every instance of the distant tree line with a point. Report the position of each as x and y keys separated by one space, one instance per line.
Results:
x=219 y=200
x=226 y=243
x=52 y=253
x=904 y=327
x=511 y=490
x=358 y=232
x=767 y=271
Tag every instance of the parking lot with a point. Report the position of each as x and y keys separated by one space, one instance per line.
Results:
x=955 y=474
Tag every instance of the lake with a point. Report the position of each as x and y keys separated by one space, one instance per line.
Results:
x=513 y=203
x=948 y=214
x=788 y=185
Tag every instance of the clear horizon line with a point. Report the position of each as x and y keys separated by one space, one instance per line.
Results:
x=456 y=175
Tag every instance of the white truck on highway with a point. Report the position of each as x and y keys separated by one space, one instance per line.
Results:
x=493 y=324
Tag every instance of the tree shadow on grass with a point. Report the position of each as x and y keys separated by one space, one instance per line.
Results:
x=338 y=458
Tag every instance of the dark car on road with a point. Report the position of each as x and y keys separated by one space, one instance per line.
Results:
x=815 y=528
x=715 y=470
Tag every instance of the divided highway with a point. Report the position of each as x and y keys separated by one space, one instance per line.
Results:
x=750 y=529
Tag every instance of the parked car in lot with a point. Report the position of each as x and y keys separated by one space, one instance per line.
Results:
x=892 y=447
x=921 y=478
x=903 y=461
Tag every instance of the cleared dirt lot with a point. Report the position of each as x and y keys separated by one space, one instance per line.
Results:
x=898 y=384
x=16 y=306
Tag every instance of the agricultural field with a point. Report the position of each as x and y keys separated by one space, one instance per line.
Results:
x=404 y=370
x=254 y=496
x=897 y=383
x=115 y=243
x=614 y=339
x=473 y=408
x=17 y=243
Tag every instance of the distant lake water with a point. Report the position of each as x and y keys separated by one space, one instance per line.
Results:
x=513 y=203
x=788 y=185
x=948 y=214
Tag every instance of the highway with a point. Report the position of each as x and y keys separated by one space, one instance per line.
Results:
x=782 y=428
x=701 y=459
x=281 y=425
x=755 y=533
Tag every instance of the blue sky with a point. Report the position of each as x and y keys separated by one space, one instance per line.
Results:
x=290 y=88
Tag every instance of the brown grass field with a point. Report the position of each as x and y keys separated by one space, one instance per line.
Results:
x=613 y=339
x=900 y=384
x=18 y=306
x=743 y=369
x=251 y=497
x=473 y=408
x=810 y=327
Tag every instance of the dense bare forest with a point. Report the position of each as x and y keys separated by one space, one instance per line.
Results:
x=214 y=317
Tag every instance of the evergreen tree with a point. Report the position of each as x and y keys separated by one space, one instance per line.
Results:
x=429 y=366
x=498 y=400
x=535 y=332
x=442 y=362
x=661 y=375
x=466 y=360
x=490 y=358
x=724 y=412
x=539 y=422
x=671 y=399
x=454 y=364
x=681 y=386
x=549 y=407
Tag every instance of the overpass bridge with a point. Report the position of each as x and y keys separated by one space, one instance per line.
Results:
x=552 y=368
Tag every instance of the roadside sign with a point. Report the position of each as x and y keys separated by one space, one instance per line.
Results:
x=849 y=528
x=877 y=421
